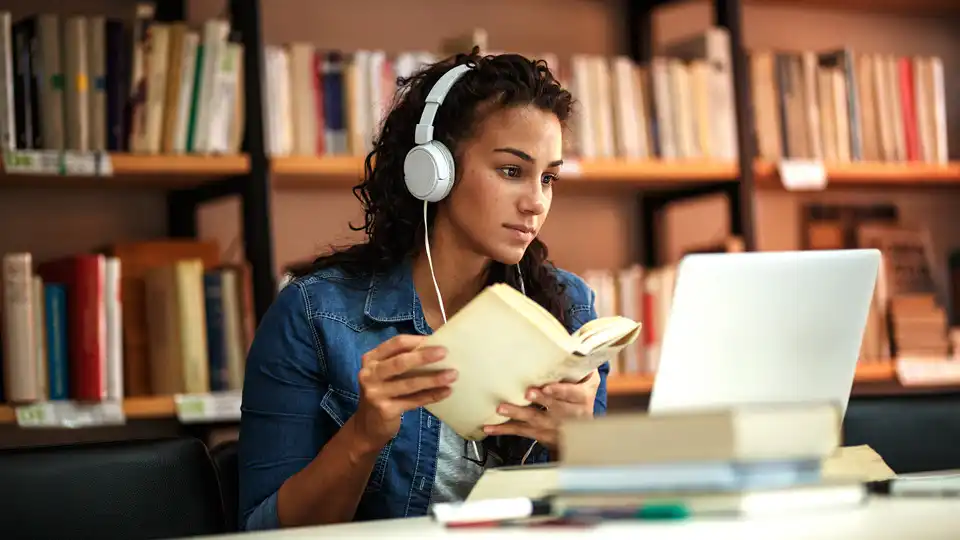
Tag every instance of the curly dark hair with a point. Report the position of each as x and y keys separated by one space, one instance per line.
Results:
x=393 y=217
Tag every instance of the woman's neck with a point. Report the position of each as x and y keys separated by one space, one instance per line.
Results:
x=460 y=272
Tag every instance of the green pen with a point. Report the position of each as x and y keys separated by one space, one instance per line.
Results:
x=658 y=511
x=664 y=511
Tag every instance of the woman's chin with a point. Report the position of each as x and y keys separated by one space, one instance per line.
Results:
x=509 y=254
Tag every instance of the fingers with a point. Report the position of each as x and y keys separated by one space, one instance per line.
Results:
x=519 y=429
x=529 y=415
x=422 y=398
x=403 y=386
x=404 y=362
x=564 y=392
x=556 y=407
x=396 y=345
x=579 y=392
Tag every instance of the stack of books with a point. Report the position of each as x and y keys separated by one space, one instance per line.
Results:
x=723 y=462
x=729 y=462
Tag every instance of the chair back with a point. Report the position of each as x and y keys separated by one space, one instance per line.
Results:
x=911 y=433
x=127 y=489
x=225 y=458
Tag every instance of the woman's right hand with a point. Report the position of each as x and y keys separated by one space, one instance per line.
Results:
x=388 y=389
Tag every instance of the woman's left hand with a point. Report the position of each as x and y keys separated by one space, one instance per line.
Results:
x=559 y=400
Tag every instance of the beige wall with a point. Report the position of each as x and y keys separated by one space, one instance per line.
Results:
x=53 y=222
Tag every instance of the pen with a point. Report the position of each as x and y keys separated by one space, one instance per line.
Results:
x=657 y=512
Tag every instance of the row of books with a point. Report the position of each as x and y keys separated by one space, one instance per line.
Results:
x=331 y=102
x=908 y=317
x=98 y=83
x=150 y=318
x=842 y=106
x=836 y=106
x=108 y=84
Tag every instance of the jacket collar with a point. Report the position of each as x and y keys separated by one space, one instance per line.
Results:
x=392 y=297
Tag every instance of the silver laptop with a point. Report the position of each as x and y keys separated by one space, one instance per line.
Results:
x=765 y=328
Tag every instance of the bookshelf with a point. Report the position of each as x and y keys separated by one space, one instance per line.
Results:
x=190 y=181
x=872 y=175
x=142 y=171
x=304 y=172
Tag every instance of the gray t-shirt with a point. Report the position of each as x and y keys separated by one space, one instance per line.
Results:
x=457 y=475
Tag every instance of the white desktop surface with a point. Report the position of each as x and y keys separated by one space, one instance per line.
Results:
x=879 y=519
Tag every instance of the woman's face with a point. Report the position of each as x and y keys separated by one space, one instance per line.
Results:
x=505 y=186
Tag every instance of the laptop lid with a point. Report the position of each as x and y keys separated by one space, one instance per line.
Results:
x=765 y=327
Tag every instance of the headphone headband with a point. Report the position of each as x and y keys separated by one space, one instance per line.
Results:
x=424 y=130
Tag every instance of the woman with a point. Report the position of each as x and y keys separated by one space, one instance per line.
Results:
x=333 y=430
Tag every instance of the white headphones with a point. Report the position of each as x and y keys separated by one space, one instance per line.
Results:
x=428 y=168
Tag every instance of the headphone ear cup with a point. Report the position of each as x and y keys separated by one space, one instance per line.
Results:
x=428 y=171
x=445 y=185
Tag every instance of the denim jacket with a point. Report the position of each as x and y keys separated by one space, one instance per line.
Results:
x=301 y=386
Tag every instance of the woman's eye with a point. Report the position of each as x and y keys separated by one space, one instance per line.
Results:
x=549 y=179
x=512 y=172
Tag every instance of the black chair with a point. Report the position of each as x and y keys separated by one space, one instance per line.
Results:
x=225 y=458
x=130 y=489
x=911 y=433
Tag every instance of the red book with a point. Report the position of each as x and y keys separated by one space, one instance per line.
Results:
x=907 y=102
x=83 y=278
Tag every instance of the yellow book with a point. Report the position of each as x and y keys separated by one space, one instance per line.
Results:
x=502 y=343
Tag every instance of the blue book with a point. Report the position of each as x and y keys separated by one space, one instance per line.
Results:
x=55 y=313
x=216 y=335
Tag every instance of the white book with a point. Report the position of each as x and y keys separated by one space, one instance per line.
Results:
x=114 y=315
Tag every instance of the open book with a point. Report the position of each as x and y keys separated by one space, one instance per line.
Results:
x=502 y=343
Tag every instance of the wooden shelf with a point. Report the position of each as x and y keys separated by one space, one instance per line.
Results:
x=344 y=172
x=872 y=175
x=138 y=408
x=143 y=171
x=132 y=164
x=629 y=385
x=874 y=378
x=900 y=7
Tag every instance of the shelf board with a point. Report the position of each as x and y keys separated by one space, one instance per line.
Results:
x=872 y=175
x=136 y=408
x=140 y=171
x=629 y=385
x=872 y=378
x=900 y=7
x=305 y=172
x=194 y=165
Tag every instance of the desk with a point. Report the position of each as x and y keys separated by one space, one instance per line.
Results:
x=879 y=519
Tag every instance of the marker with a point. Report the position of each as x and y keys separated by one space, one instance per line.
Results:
x=652 y=512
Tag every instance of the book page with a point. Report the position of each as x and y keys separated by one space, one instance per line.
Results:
x=858 y=462
x=530 y=481
x=604 y=332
